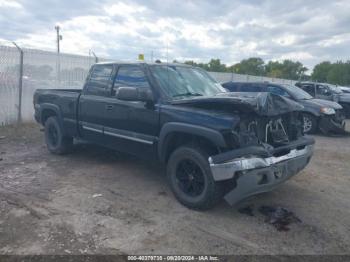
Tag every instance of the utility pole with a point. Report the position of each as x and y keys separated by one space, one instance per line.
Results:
x=58 y=62
x=59 y=38
x=20 y=83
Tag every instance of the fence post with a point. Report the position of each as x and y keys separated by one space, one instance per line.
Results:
x=96 y=58
x=20 y=83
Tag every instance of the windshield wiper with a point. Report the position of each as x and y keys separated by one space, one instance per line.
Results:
x=188 y=94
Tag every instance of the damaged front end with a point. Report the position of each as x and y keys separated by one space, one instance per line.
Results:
x=334 y=123
x=268 y=147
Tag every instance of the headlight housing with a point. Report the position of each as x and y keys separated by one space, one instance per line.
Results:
x=327 y=110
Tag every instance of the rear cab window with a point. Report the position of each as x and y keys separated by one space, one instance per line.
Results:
x=100 y=79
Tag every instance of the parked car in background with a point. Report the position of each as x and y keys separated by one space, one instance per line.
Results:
x=324 y=115
x=327 y=92
x=213 y=143
x=345 y=89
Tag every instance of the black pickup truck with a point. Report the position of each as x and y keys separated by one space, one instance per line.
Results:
x=213 y=143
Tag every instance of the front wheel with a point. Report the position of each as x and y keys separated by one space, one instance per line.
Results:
x=310 y=124
x=346 y=110
x=191 y=180
x=56 y=142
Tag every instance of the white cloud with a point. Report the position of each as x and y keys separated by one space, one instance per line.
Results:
x=123 y=9
x=10 y=4
x=335 y=40
x=308 y=31
x=296 y=56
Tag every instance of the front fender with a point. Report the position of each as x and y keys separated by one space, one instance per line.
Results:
x=312 y=111
x=212 y=135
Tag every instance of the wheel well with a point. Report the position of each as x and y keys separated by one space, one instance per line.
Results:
x=346 y=108
x=177 y=139
x=310 y=114
x=45 y=114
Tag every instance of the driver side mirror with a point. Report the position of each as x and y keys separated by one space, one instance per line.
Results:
x=131 y=93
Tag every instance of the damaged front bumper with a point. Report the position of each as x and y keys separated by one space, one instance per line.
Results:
x=261 y=172
x=332 y=123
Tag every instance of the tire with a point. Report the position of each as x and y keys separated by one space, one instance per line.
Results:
x=195 y=189
x=309 y=124
x=56 y=142
x=346 y=110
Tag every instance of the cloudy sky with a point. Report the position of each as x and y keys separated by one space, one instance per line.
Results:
x=309 y=31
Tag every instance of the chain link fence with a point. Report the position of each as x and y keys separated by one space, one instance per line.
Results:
x=225 y=77
x=9 y=82
x=44 y=69
x=41 y=69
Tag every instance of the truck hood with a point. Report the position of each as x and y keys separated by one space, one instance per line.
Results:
x=265 y=104
x=320 y=103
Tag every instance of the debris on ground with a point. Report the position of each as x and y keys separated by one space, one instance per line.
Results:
x=247 y=210
x=279 y=217
x=96 y=195
x=0 y=159
x=2 y=137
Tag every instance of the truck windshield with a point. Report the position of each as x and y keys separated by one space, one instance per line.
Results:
x=296 y=92
x=179 y=82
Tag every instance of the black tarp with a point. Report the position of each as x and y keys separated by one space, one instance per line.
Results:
x=266 y=104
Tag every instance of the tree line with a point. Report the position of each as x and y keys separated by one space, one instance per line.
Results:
x=337 y=73
x=334 y=73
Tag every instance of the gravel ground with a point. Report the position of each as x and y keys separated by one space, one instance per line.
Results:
x=96 y=201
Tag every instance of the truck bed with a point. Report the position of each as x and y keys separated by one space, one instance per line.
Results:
x=62 y=101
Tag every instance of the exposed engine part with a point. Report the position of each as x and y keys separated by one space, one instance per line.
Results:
x=275 y=129
x=253 y=123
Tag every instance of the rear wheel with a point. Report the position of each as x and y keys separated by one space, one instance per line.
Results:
x=191 y=180
x=310 y=124
x=56 y=142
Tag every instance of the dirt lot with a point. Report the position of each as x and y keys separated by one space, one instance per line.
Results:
x=98 y=201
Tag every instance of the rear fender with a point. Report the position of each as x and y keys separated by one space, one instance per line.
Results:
x=46 y=106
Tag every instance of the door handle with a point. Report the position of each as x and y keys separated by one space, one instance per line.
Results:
x=109 y=107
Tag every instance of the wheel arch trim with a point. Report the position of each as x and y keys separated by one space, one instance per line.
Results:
x=175 y=127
